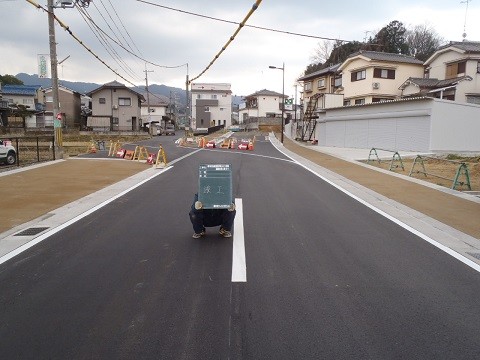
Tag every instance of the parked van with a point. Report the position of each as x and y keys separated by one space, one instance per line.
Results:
x=170 y=129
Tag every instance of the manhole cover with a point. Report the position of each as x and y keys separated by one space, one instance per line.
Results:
x=31 y=231
x=475 y=255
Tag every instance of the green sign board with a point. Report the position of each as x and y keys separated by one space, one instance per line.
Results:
x=215 y=186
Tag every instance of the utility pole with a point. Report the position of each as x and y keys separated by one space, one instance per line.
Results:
x=57 y=118
x=57 y=122
x=187 y=112
x=148 y=92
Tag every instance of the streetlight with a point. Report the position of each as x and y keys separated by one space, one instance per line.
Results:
x=283 y=94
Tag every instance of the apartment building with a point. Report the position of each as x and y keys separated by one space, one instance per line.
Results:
x=211 y=105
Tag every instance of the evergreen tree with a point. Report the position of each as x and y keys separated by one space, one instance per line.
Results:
x=10 y=80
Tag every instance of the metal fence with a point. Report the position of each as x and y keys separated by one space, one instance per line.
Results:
x=30 y=150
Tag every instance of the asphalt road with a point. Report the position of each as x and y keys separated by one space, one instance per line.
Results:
x=326 y=278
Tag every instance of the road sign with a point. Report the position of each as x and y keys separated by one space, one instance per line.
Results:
x=215 y=186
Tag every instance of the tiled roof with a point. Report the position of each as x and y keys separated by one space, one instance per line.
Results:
x=114 y=85
x=383 y=56
x=156 y=100
x=330 y=69
x=433 y=83
x=265 y=92
x=467 y=46
x=29 y=90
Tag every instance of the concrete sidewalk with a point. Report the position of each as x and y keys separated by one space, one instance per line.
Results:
x=445 y=215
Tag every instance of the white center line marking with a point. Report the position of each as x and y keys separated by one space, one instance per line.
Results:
x=239 y=266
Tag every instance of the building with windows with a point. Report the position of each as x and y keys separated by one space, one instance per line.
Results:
x=115 y=107
x=451 y=73
x=70 y=107
x=370 y=76
x=261 y=104
x=324 y=86
x=211 y=105
x=25 y=104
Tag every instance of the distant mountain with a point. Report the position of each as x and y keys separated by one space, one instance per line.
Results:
x=83 y=88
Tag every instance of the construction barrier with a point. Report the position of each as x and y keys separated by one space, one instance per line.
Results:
x=121 y=153
x=129 y=154
x=114 y=148
x=140 y=153
x=161 y=159
x=92 y=147
x=226 y=143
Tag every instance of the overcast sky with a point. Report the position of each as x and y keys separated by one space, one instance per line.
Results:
x=171 y=38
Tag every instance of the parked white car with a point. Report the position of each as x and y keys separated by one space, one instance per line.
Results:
x=8 y=153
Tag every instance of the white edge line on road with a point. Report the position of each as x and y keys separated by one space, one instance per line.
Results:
x=444 y=248
x=42 y=237
x=239 y=266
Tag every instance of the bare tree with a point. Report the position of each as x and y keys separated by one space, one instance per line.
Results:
x=322 y=51
x=423 y=41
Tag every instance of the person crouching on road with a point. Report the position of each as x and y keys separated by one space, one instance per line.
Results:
x=202 y=218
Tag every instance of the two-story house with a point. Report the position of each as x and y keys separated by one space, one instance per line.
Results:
x=370 y=76
x=69 y=105
x=211 y=105
x=24 y=100
x=451 y=73
x=115 y=107
x=261 y=104
x=157 y=104
x=325 y=86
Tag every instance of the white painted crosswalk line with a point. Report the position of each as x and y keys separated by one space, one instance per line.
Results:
x=239 y=266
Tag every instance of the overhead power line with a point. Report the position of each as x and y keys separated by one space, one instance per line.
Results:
x=67 y=29
x=242 y=24
x=236 y=23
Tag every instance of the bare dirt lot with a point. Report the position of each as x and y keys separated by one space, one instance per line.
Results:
x=438 y=170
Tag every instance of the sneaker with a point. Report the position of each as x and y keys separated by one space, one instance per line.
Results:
x=225 y=233
x=198 y=235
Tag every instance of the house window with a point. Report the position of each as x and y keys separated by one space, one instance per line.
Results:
x=336 y=81
x=473 y=99
x=384 y=73
x=101 y=100
x=478 y=67
x=115 y=120
x=214 y=96
x=359 y=75
x=207 y=108
x=221 y=109
x=49 y=99
x=359 y=101
x=27 y=101
x=346 y=102
x=453 y=70
x=201 y=121
x=199 y=96
x=308 y=86
x=321 y=83
x=124 y=102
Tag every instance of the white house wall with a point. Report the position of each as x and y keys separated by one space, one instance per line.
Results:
x=423 y=125
x=394 y=126
x=456 y=127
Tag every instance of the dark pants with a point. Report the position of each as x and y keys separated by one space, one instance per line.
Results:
x=211 y=217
